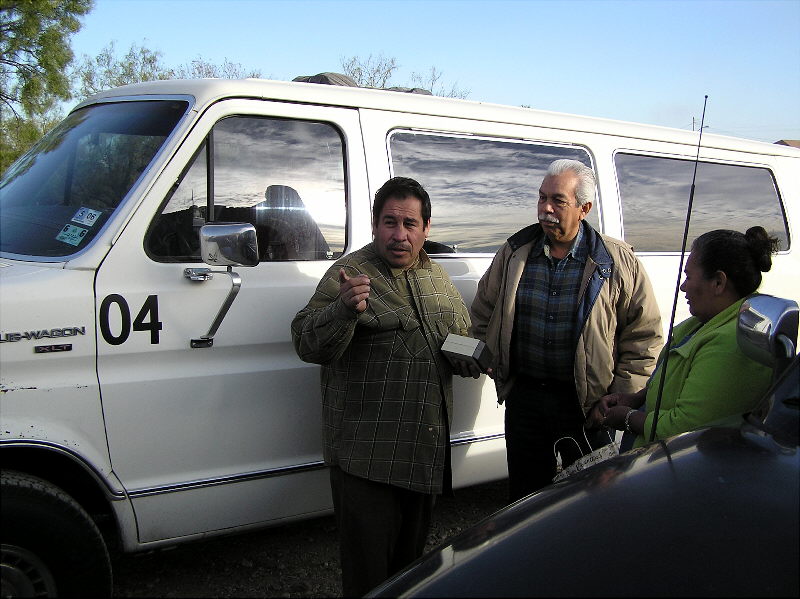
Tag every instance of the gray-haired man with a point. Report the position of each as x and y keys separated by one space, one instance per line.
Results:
x=569 y=315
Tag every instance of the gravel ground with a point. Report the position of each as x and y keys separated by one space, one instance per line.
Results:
x=294 y=560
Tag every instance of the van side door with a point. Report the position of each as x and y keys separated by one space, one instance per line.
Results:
x=226 y=436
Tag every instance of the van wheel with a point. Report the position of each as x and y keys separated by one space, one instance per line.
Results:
x=51 y=546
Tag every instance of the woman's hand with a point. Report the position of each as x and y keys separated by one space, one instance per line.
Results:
x=615 y=417
x=625 y=418
x=619 y=402
x=594 y=419
x=596 y=416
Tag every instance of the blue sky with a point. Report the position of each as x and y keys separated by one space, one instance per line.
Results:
x=648 y=61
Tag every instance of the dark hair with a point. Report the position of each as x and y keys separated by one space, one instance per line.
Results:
x=401 y=188
x=742 y=257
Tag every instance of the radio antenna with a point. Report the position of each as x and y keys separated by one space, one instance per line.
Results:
x=678 y=283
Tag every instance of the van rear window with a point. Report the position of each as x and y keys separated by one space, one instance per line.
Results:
x=654 y=191
x=482 y=190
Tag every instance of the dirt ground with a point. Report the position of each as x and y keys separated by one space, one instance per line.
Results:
x=294 y=560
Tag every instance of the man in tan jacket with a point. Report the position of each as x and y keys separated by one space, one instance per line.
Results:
x=569 y=315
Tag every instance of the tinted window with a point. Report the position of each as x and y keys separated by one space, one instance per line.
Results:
x=482 y=190
x=56 y=198
x=285 y=177
x=655 y=194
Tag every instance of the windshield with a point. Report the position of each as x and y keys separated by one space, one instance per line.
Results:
x=57 y=197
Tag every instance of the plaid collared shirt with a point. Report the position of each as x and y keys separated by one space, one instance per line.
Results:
x=543 y=343
x=385 y=380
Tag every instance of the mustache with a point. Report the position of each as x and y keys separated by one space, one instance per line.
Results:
x=399 y=246
x=549 y=218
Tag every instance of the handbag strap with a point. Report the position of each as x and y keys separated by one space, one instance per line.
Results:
x=580 y=449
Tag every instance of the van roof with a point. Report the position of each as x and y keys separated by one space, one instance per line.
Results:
x=208 y=91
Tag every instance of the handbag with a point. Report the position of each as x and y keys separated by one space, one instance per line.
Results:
x=590 y=459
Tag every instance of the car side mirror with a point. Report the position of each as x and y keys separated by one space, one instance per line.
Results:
x=229 y=244
x=223 y=244
x=767 y=330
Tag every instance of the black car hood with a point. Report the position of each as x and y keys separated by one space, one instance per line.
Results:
x=711 y=512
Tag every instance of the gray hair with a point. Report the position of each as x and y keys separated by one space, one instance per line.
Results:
x=586 y=180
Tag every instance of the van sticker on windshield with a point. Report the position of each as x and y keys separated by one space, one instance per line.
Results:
x=86 y=216
x=71 y=234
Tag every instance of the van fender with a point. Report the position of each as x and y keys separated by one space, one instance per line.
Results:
x=89 y=485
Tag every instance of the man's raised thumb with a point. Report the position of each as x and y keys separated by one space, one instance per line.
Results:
x=343 y=278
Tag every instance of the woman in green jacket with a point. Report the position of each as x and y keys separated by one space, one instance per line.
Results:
x=709 y=379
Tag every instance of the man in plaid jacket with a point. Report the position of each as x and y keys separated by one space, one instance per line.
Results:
x=376 y=323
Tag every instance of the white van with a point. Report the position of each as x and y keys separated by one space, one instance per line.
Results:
x=144 y=399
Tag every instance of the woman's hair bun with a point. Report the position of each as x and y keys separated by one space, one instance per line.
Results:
x=761 y=247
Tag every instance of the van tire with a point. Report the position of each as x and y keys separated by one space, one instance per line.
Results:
x=50 y=545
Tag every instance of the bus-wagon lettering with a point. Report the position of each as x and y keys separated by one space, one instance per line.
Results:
x=42 y=334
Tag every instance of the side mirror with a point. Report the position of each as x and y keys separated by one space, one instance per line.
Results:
x=767 y=330
x=229 y=244
x=223 y=244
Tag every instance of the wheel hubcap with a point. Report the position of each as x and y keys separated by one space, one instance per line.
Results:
x=24 y=575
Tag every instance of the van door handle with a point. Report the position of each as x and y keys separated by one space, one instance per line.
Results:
x=198 y=274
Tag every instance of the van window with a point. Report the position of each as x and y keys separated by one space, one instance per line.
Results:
x=654 y=192
x=57 y=197
x=482 y=190
x=286 y=177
